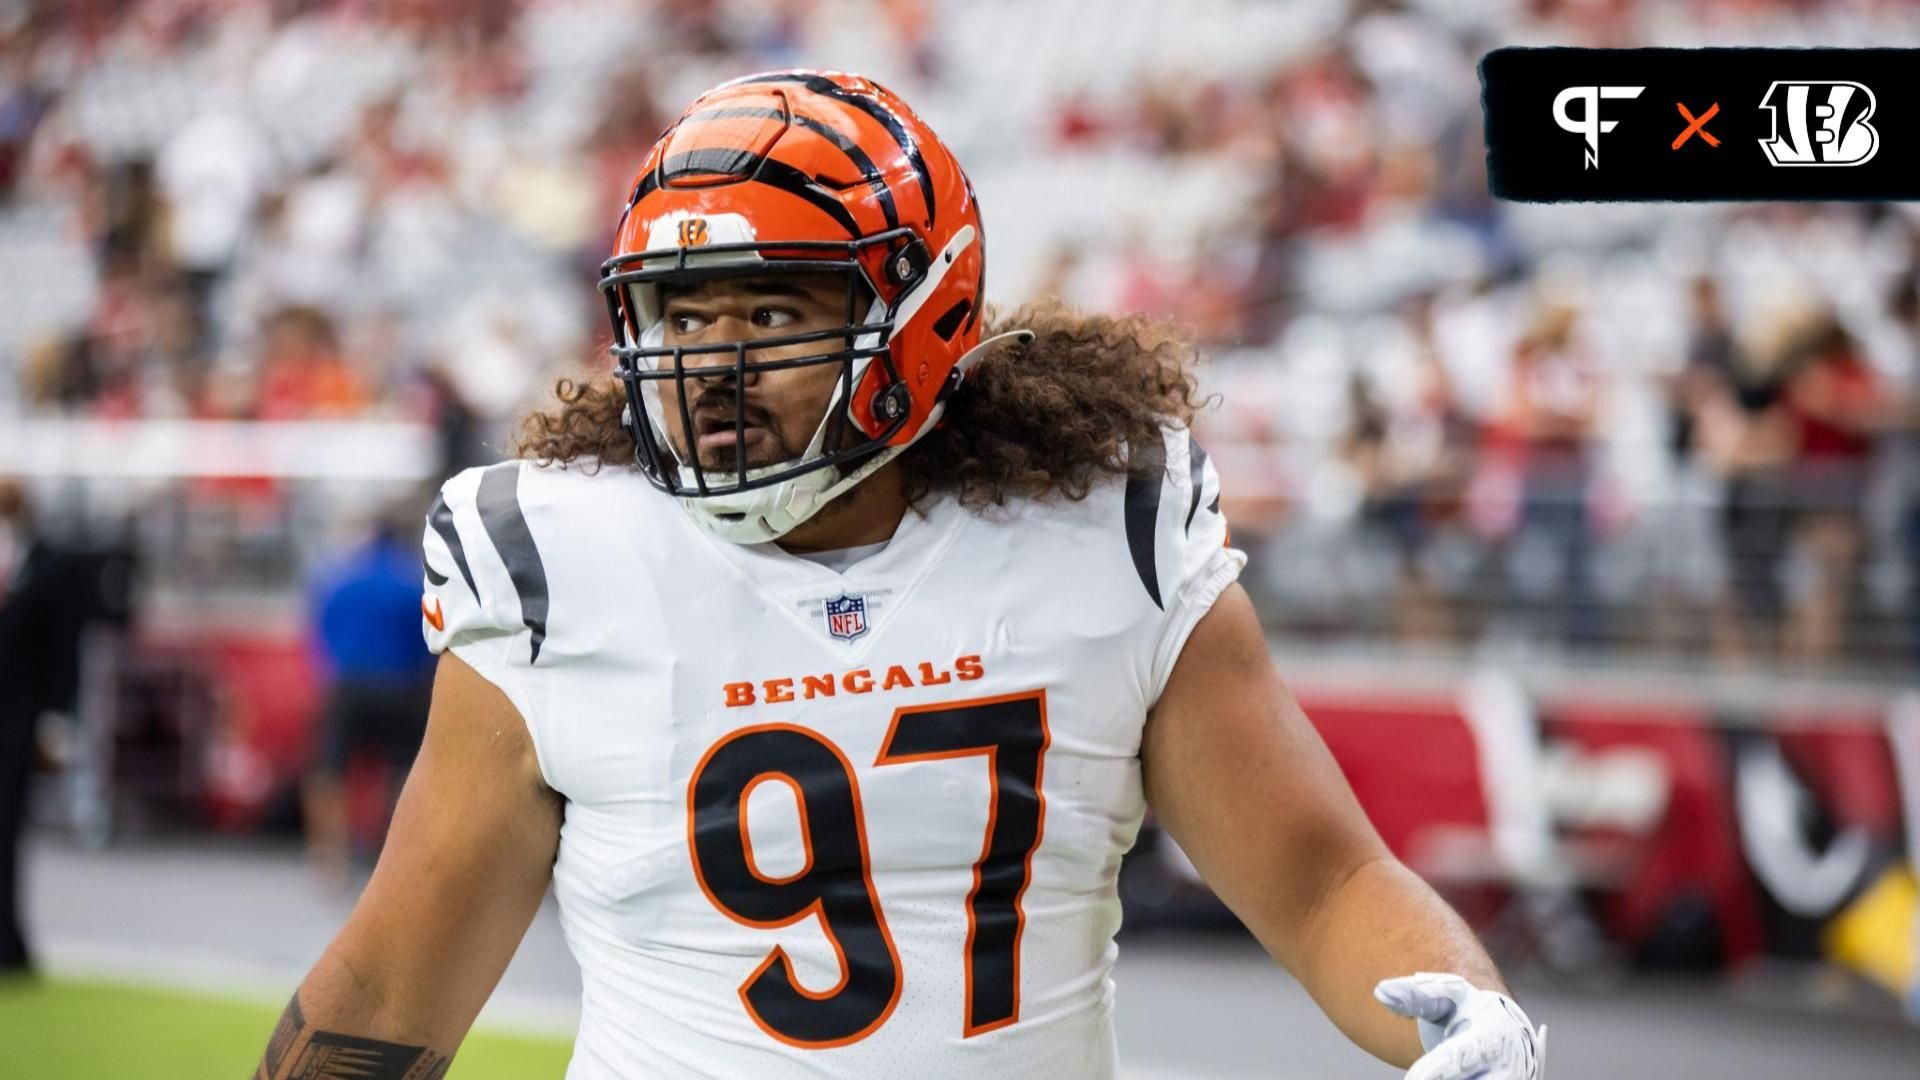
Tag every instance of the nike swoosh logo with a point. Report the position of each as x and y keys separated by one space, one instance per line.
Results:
x=436 y=618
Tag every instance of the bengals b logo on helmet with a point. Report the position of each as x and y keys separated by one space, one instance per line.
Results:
x=693 y=232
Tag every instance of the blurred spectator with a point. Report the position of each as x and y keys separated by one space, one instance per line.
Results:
x=1905 y=421
x=1835 y=407
x=1411 y=453
x=629 y=123
x=1690 y=580
x=697 y=25
x=456 y=425
x=314 y=236
x=913 y=28
x=49 y=594
x=23 y=595
x=1542 y=432
x=1743 y=430
x=366 y=625
x=212 y=174
x=25 y=100
x=125 y=218
x=1712 y=364
x=1077 y=122
x=302 y=370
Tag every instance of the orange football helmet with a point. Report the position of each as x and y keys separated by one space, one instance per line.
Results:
x=799 y=172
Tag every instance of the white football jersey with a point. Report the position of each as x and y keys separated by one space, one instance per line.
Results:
x=834 y=824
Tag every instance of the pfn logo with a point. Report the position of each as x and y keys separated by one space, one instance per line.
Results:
x=1826 y=123
x=1589 y=124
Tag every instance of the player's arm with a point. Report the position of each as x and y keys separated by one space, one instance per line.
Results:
x=464 y=868
x=1241 y=780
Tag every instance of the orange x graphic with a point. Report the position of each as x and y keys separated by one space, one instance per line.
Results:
x=1697 y=125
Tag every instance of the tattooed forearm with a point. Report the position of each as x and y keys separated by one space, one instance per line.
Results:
x=297 y=1052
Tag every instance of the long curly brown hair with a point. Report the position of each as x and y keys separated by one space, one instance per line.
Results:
x=1044 y=418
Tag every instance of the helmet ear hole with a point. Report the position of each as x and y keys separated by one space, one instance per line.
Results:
x=949 y=323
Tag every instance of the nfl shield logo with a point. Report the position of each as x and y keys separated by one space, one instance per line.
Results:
x=847 y=617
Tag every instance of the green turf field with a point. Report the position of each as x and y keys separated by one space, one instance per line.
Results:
x=79 y=1030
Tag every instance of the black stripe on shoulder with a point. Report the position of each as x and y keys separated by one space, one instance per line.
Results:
x=440 y=517
x=1142 y=510
x=1197 y=469
x=507 y=527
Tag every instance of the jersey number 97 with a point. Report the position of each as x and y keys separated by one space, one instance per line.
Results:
x=835 y=883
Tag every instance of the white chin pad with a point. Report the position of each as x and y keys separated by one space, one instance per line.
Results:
x=764 y=514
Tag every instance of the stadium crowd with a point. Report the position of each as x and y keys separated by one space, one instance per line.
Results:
x=1443 y=418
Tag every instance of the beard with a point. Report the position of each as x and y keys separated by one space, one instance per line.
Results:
x=765 y=447
x=715 y=419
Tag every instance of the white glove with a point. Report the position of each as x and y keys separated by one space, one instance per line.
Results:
x=1468 y=1034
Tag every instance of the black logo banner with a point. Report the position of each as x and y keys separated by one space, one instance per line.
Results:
x=1609 y=125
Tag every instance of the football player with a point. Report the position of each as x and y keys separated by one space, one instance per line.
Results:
x=826 y=655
